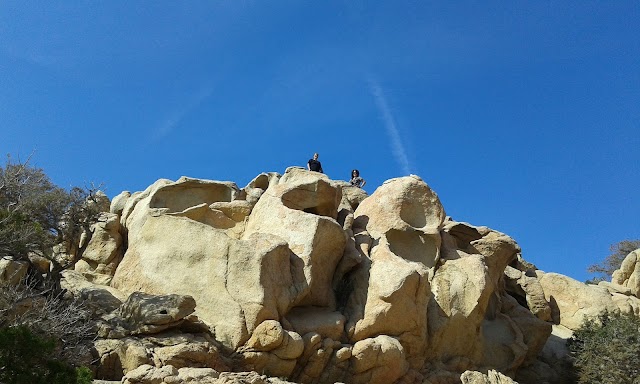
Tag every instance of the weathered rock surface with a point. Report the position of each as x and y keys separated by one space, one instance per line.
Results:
x=571 y=301
x=104 y=250
x=629 y=273
x=492 y=377
x=12 y=271
x=304 y=277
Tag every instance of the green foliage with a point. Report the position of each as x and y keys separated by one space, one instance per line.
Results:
x=607 y=349
x=25 y=358
x=612 y=262
x=83 y=375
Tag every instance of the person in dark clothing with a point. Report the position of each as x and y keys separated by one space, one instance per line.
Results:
x=314 y=164
x=356 y=180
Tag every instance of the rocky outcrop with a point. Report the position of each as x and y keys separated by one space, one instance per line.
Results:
x=308 y=278
x=629 y=273
x=572 y=301
x=104 y=250
x=12 y=271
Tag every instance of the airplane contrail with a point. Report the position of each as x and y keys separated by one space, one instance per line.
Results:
x=397 y=148
x=179 y=114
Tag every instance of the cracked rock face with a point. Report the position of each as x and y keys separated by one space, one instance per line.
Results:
x=304 y=277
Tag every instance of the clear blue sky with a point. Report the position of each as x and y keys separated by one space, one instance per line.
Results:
x=523 y=116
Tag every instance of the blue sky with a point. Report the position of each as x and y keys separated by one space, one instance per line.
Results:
x=522 y=116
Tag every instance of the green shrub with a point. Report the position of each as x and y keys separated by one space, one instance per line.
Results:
x=25 y=358
x=607 y=349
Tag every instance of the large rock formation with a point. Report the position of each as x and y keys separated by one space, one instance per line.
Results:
x=308 y=278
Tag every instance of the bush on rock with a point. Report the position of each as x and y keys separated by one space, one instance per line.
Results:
x=607 y=349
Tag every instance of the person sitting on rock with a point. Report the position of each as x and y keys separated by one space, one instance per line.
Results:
x=314 y=164
x=356 y=180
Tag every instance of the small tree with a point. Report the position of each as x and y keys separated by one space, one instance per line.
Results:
x=35 y=214
x=612 y=262
x=607 y=349
x=43 y=335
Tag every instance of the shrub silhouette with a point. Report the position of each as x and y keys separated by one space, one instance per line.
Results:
x=607 y=349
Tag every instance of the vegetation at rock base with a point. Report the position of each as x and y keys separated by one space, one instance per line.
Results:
x=607 y=349
x=35 y=215
x=44 y=335
x=47 y=313
x=25 y=358
x=619 y=251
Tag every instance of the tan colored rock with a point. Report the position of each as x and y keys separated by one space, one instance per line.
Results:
x=188 y=192
x=499 y=250
x=533 y=330
x=407 y=215
x=190 y=351
x=464 y=233
x=323 y=360
x=117 y=357
x=462 y=290
x=246 y=275
x=502 y=344
x=76 y=282
x=316 y=319
x=272 y=350
x=491 y=377
x=267 y=336
x=303 y=190
x=147 y=314
x=104 y=250
x=147 y=374
x=291 y=348
x=554 y=365
x=314 y=359
x=197 y=375
x=256 y=187
x=118 y=203
x=126 y=218
x=208 y=202
x=99 y=299
x=301 y=209
x=302 y=254
x=629 y=273
x=248 y=378
x=351 y=196
x=571 y=301
x=615 y=288
x=626 y=303
x=378 y=360
x=236 y=210
x=390 y=298
x=402 y=220
x=12 y=271
x=259 y=278
x=41 y=264
x=528 y=288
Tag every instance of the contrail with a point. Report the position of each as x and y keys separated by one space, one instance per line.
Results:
x=172 y=122
x=396 y=143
